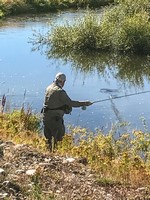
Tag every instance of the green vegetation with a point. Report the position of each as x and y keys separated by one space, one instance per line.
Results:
x=125 y=159
x=124 y=28
x=22 y=126
x=120 y=160
x=13 y=7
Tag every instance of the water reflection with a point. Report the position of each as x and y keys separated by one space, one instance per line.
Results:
x=130 y=70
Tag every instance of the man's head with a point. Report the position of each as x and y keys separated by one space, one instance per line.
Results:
x=60 y=78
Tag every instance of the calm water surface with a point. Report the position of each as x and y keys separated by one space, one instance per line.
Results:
x=24 y=75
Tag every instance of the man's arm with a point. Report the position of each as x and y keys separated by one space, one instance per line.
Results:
x=66 y=100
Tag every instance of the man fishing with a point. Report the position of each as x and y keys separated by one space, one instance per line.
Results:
x=56 y=104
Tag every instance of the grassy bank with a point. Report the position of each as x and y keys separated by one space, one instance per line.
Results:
x=15 y=7
x=124 y=160
x=124 y=28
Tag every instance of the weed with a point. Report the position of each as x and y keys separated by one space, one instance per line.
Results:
x=36 y=193
x=106 y=182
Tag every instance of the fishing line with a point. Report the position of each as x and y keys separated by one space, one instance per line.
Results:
x=118 y=97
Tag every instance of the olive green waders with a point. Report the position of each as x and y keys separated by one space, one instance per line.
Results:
x=54 y=130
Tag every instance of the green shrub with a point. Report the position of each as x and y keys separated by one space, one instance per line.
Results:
x=134 y=34
x=127 y=26
x=31 y=6
x=130 y=7
x=124 y=27
x=1 y=14
x=124 y=159
x=21 y=120
x=3 y=9
x=84 y=34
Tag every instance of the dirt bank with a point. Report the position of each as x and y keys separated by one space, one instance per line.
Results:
x=28 y=174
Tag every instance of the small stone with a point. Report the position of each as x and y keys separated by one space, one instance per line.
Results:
x=20 y=171
x=68 y=160
x=47 y=159
x=44 y=164
x=109 y=197
x=18 y=146
x=141 y=189
x=3 y=144
x=5 y=183
x=2 y=171
x=31 y=172
x=58 y=191
x=3 y=195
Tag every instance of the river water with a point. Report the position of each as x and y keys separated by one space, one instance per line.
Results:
x=24 y=75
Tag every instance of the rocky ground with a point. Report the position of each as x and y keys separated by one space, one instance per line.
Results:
x=26 y=174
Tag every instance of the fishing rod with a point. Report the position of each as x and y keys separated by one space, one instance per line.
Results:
x=118 y=97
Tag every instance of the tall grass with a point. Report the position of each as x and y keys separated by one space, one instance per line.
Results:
x=124 y=27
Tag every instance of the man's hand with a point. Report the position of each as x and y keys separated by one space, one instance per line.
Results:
x=87 y=103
